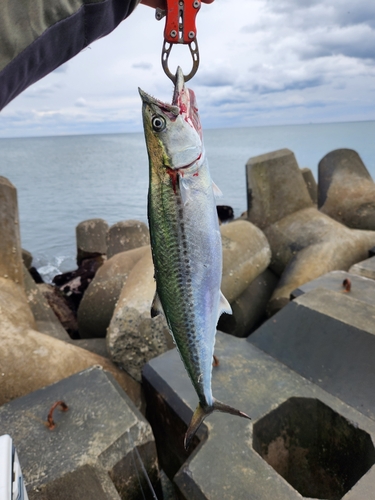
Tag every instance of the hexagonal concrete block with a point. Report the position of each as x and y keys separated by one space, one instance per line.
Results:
x=364 y=268
x=329 y=338
x=356 y=287
x=101 y=434
x=318 y=451
x=225 y=462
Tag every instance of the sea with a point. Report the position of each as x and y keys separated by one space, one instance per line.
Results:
x=64 y=180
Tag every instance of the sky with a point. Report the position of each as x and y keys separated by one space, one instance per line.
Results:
x=262 y=62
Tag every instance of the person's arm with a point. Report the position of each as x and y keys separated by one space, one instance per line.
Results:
x=161 y=4
x=38 y=36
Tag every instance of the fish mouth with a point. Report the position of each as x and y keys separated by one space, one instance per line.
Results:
x=164 y=106
x=179 y=101
x=179 y=87
x=183 y=103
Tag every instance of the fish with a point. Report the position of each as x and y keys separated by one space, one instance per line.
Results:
x=185 y=239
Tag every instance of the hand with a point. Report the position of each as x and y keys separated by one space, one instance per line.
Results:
x=162 y=3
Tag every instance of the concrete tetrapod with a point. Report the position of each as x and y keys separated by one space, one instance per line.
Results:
x=91 y=239
x=308 y=244
x=46 y=320
x=30 y=359
x=99 y=301
x=275 y=187
x=10 y=244
x=346 y=190
x=133 y=336
x=126 y=235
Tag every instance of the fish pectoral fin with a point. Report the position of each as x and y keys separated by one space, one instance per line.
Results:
x=201 y=413
x=216 y=190
x=156 y=307
x=184 y=190
x=224 y=306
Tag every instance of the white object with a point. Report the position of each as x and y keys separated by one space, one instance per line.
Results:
x=12 y=486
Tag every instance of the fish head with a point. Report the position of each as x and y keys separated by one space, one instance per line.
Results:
x=173 y=131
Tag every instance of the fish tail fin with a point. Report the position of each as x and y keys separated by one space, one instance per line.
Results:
x=201 y=413
x=198 y=416
x=219 y=406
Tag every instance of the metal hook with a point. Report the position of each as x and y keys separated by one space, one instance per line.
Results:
x=167 y=47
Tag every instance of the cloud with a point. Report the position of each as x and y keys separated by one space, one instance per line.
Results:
x=142 y=65
x=357 y=41
x=41 y=90
x=261 y=62
x=81 y=102
x=220 y=77
x=62 y=69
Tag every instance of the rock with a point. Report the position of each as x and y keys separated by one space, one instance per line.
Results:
x=74 y=284
x=10 y=245
x=365 y=268
x=275 y=187
x=30 y=359
x=285 y=409
x=134 y=337
x=98 y=304
x=34 y=273
x=346 y=189
x=329 y=338
x=61 y=308
x=309 y=244
x=246 y=254
x=91 y=239
x=46 y=320
x=94 y=446
x=311 y=184
x=224 y=213
x=27 y=258
x=249 y=309
x=126 y=235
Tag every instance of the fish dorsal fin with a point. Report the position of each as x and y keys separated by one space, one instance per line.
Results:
x=156 y=307
x=216 y=190
x=224 y=306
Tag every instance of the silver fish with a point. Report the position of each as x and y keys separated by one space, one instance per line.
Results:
x=185 y=239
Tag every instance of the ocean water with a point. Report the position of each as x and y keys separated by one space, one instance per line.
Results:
x=62 y=181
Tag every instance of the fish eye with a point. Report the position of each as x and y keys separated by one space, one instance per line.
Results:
x=158 y=123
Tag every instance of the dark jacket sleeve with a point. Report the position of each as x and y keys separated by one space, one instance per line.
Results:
x=37 y=36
